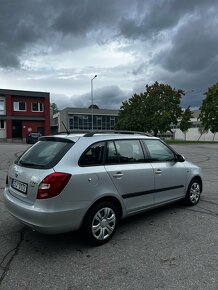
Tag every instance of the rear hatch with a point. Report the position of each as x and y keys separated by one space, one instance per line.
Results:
x=28 y=170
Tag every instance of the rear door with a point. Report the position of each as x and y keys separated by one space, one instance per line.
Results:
x=170 y=175
x=131 y=173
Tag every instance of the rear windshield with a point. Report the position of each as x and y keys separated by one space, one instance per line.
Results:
x=44 y=154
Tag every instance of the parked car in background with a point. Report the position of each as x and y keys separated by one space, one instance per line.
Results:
x=33 y=137
x=91 y=181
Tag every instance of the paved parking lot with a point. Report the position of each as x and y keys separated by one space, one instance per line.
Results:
x=174 y=247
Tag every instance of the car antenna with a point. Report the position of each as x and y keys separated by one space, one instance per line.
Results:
x=68 y=132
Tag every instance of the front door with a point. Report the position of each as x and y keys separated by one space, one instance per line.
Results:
x=16 y=129
x=170 y=175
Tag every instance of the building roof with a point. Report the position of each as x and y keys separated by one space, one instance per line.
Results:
x=196 y=113
x=24 y=93
x=89 y=111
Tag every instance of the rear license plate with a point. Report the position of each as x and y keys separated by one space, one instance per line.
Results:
x=20 y=186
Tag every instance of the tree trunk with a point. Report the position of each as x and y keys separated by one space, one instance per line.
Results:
x=200 y=136
x=214 y=136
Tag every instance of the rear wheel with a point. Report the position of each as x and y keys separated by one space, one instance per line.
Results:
x=193 y=192
x=100 y=223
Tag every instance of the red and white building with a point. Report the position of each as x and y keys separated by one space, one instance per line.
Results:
x=22 y=112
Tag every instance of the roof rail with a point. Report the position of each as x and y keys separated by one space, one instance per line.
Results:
x=71 y=132
x=92 y=133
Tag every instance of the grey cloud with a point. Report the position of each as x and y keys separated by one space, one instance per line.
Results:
x=109 y=97
x=26 y=23
x=21 y=25
x=193 y=48
x=192 y=99
x=155 y=17
x=80 y=17
x=61 y=100
x=187 y=28
x=139 y=69
x=8 y=59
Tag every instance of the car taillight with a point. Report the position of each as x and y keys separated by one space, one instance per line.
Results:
x=52 y=185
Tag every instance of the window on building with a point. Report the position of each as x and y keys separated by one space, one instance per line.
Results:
x=19 y=106
x=80 y=122
x=112 y=122
x=84 y=122
x=2 y=105
x=2 y=124
x=37 y=107
x=99 y=123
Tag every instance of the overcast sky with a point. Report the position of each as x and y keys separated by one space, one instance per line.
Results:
x=58 y=46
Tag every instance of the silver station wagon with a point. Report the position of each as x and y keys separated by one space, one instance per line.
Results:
x=91 y=181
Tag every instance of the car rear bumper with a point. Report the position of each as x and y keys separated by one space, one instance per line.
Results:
x=43 y=220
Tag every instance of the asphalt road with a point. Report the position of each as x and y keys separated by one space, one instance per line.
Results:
x=174 y=247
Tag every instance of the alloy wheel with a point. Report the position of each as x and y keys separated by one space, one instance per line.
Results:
x=104 y=223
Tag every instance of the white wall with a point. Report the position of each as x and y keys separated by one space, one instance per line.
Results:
x=2 y=133
x=193 y=135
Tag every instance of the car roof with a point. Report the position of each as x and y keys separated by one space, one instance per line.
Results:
x=101 y=136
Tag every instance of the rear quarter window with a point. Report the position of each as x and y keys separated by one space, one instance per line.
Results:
x=44 y=154
x=93 y=155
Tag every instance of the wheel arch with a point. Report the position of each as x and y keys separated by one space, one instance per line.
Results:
x=199 y=179
x=110 y=199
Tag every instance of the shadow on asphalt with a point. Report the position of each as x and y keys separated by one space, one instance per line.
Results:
x=74 y=240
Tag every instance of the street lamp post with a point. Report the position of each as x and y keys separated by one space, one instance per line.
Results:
x=92 y=97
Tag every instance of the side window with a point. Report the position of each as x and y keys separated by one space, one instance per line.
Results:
x=93 y=156
x=129 y=151
x=159 y=151
x=111 y=155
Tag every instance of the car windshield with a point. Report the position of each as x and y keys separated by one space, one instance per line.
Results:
x=44 y=154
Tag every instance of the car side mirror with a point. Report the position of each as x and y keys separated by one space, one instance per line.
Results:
x=180 y=158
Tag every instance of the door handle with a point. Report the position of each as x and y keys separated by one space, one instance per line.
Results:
x=158 y=171
x=118 y=175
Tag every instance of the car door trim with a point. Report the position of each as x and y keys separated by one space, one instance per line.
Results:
x=135 y=194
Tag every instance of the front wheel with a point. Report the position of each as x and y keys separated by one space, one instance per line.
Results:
x=100 y=223
x=193 y=192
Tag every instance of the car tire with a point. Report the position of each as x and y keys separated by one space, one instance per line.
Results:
x=100 y=223
x=193 y=192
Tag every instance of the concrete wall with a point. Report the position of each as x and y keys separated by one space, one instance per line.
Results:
x=193 y=135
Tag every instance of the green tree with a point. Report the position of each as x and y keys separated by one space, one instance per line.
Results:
x=54 y=108
x=185 y=123
x=152 y=111
x=201 y=130
x=209 y=110
x=93 y=106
